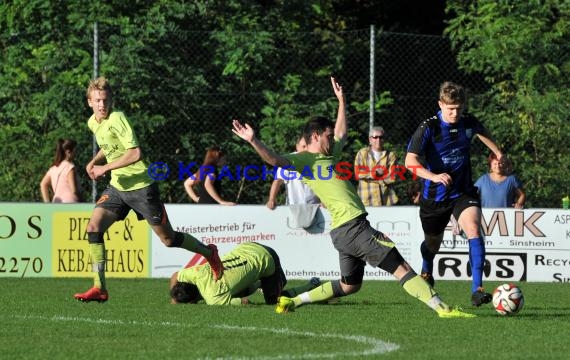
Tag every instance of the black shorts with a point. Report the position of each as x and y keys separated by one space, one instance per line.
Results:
x=144 y=202
x=358 y=243
x=435 y=215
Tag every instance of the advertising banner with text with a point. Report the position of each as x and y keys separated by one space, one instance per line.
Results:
x=50 y=240
x=531 y=244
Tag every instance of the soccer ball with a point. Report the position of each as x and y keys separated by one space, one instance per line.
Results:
x=508 y=299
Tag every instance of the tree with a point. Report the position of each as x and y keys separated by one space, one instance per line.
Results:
x=522 y=49
x=180 y=71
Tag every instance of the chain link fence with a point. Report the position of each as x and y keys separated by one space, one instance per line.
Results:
x=407 y=68
x=181 y=92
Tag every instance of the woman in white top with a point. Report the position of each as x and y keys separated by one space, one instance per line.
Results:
x=61 y=175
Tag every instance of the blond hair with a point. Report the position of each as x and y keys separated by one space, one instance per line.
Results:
x=101 y=84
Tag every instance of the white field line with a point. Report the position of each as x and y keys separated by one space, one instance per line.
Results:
x=377 y=347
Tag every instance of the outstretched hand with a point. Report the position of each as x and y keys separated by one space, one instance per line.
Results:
x=337 y=89
x=243 y=131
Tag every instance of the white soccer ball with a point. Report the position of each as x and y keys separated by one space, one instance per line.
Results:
x=508 y=299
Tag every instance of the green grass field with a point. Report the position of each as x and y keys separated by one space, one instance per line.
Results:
x=40 y=319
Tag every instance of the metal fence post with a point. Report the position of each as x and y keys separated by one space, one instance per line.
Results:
x=372 y=45
x=95 y=75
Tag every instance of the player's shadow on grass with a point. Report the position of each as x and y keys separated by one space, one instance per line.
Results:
x=536 y=313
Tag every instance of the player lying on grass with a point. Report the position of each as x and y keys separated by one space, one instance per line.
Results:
x=356 y=241
x=246 y=268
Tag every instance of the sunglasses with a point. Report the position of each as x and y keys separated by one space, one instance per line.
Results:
x=378 y=137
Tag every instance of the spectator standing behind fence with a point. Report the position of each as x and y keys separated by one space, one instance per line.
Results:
x=375 y=188
x=206 y=180
x=302 y=202
x=61 y=176
x=499 y=190
x=297 y=192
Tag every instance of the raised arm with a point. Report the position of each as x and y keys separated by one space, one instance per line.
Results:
x=246 y=132
x=340 y=127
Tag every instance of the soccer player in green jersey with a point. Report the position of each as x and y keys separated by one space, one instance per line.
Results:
x=356 y=241
x=248 y=267
x=130 y=188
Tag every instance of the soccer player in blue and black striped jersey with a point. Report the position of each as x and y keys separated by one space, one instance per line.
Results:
x=439 y=153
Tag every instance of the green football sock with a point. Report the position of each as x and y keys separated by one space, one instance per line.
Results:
x=318 y=294
x=98 y=258
x=420 y=289
x=292 y=292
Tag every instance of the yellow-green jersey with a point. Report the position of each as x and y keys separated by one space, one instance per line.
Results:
x=243 y=266
x=319 y=172
x=115 y=136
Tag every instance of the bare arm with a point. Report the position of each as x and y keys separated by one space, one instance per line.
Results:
x=413 y=164
x=340 y=127
x=486 y=139
x=131 y=156
x=189 y=187
x=44 y=188
x=173 y=281
x=521 y=198
x=246 y=133
x=275 y=186
x=73 y=184
x=99 y=158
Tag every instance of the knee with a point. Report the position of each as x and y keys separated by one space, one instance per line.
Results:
x=168 y=241
x=347 y=285
x=92 y=227
x=350 y=289
x=433 y=242
x=171 y=238
x=472 y=231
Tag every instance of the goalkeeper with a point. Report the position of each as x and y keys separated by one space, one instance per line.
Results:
x=247 y=267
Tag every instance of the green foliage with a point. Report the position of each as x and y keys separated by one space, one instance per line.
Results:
x=523 y=51
x=183 y=70
x=284 y=117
